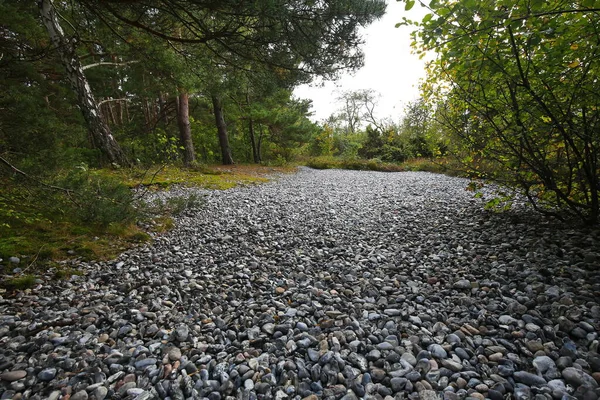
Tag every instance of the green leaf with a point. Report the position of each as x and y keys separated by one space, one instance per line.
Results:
x=427 y=17
x=409 y=5
x=444 y=11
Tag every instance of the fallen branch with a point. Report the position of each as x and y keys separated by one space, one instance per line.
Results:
x=39 y=182
x=145 y=190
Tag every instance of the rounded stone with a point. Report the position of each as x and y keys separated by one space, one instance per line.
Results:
x=47 y=374
x=12 y=376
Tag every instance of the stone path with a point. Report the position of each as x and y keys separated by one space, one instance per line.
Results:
x=323 y=284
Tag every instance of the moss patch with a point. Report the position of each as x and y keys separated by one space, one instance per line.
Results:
x=220 y=178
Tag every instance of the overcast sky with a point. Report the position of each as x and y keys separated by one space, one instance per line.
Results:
x=390 y=68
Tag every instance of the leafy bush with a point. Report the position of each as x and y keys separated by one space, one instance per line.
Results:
x=355 y=164
x=520 y=95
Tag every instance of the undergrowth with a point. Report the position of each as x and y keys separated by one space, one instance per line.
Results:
x=442 y=166
x=91 y=214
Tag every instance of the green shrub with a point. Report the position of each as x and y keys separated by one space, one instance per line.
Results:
x=94 y=198
x=18 y=282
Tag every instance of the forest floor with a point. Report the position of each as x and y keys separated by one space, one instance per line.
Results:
x=320 y=284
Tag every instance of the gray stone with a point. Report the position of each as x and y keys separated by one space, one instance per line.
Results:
x=409 y=358
x=100 y=393
x=437 y=351
x=564 y=362
x=398 y=384
x=558 y=388
x=428 y=395
x=145 y=363
x=12 y=376
x=80 y=395
x=577 y=377
x=174 y=353
x=543 y=364
x=47 y=374
x=182 y=332
x=452 y=365
x=507 y=320
x=529 y=379
x=462 y=284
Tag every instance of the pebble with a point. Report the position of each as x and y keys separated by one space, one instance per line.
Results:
x=47 y=374
x=529 y=379
x=174 y=353
x=100 y=393
x=320 y=284
x=577 y=377
x=462 y=284
x=12 y=376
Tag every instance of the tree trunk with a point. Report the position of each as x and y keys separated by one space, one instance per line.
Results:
x=185 y=129
x=100 y=133
x=162 y=105
x=222 y=131
x=259 y=144
x=255 y=152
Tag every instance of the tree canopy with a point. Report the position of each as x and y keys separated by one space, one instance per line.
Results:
x=517 y=84
x=312 y=37
x=160 y=57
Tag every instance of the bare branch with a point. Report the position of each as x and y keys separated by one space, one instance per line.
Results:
x=109 y=100
x=114 y=64
x=19 y=172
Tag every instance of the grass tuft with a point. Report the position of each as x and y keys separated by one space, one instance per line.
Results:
x=18 y=282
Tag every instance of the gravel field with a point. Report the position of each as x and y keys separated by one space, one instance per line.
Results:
x=322 y=284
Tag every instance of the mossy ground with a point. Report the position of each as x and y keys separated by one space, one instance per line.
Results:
x=39 y=237
x=215 y=177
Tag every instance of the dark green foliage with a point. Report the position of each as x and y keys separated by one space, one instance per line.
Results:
x=94 y=198
x=352 y=164
x=373 y=145
x=39 y=125
x=18 y=282
x=417 y=136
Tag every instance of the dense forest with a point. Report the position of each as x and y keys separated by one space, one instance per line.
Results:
x=94 y=88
